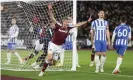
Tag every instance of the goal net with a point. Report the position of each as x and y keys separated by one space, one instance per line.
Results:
x=31 y=18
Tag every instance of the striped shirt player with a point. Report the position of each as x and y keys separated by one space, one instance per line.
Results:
x=100 y=26
x=13 y=33
x=68 y=43
x=121 y=34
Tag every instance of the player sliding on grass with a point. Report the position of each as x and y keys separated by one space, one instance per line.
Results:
x=60 y=34
x=122 y=36
x=100 y=32
x=45 y=35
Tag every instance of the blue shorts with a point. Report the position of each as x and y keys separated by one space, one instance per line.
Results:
x=11 y=46
x=100 y=46
x=67 y=45
x=120 y=50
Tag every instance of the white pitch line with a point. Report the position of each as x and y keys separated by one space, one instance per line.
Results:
x=115 y=74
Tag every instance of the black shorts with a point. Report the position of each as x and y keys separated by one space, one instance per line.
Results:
x=45 y=42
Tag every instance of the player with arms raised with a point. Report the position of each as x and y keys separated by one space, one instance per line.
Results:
x=100 y=32
x=60 y=34
x=122 y=36
x=13 y=34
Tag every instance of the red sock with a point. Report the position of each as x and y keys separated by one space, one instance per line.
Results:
x=92 y=57
x=29 y=57
x=44 y=66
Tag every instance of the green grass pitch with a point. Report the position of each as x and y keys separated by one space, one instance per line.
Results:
x=85 y=72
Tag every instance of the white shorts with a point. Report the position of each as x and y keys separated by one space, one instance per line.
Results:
x=54 y=48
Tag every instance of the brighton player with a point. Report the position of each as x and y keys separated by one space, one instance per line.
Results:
x=122 y=36
x=100 y=31
x=59 y=36
x=12 y=41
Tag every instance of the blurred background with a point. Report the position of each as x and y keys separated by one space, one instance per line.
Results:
x=113 y=11
x=34 y=14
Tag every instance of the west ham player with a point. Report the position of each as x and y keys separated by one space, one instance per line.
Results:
x=60 y=34
x=45 y=35
x=100 y=31
x=12 y=41
x=122 y=36
x=68 y=45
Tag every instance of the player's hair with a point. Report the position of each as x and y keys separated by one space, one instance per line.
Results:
x=123 y=19
x=100 y=10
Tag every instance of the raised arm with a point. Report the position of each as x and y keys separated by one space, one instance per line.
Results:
x=51 y=14
x=82 y=23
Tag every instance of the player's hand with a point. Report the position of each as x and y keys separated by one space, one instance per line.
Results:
x=89 y=20
x=50 y=6
x=110 y=46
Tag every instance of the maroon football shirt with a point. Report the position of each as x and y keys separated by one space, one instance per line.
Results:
x=60 y=34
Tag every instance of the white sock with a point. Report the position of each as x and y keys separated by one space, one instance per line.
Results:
x=103 y=59
x=62 y=56
x=77 y=59
x=118 y=63
x=97 y=61
x=8 y=57
x=18 y=57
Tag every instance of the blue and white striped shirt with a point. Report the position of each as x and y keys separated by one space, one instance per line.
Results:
x=99 y=26
x=122 y=32
x=69 y=38
x=13 y=33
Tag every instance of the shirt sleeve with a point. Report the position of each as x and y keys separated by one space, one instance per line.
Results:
x=115 y=31
x=129 y=32
x=57 y=26
x=107 y=25
x=93 y=25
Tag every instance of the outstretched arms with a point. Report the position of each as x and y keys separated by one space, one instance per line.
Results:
x=82 y=23
x=51 y=14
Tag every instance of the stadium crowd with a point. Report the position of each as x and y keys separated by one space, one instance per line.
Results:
x=113 y=11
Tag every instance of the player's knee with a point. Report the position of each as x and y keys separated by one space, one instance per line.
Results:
x=121 y=56
x=49 y=56
x=97 y=53
x=103 y=54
